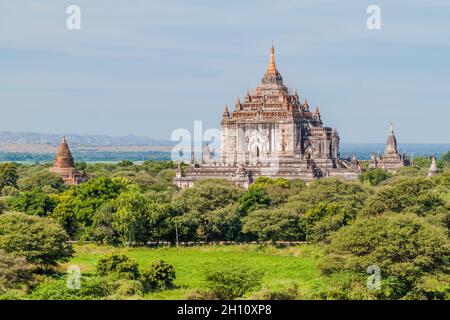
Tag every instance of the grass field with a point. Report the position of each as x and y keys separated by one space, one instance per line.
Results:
x=282 y=266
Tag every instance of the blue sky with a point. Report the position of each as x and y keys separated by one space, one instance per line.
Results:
x=149 y=67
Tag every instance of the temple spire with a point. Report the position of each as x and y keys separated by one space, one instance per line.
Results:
x=272 y=76
x=433 y=168
x=226 y=113
x=272 y=67
x=391 y=145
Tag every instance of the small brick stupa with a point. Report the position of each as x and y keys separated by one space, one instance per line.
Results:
x=65 y=166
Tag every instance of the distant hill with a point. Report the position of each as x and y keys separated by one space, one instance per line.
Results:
x=31 y=138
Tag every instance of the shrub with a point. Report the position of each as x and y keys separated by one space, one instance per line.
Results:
x=405 y=248
x=9 y=191
x=373 y=176
x=125 y=163
x=40 y=240
x=118 y=264
x=274 y=225
x=159 y=275
x=15 y=272
x=91 y=288
x=8 y=175
x=35 y=202
x=253 y=199
x=127 y=287
x=413 y=194
x=232 y=280
x=43 y=180
x=198 y=294
x=290 y=293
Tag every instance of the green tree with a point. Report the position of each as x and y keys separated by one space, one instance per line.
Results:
x=207 y=195
x=158 y=275
x=125 y=163
x=215 y=225
x=76 y=206
x=103 y=224
x=414 y=194
x=8 y=175
x=43 y=180
x=325 y=217
x=253 y=199
x=35 y=202
x=132 y=219
x=118 y=264
x=190 y=205
x=405 y=247
x=445 y=158
x=232 y=280
x=40 y=240
x=15 y=272
x=274 y=225
x=373 y=176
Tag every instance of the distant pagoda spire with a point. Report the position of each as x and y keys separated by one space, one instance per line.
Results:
x=391 y=144
x=433 y=168
x=238 y=104
x=64 y=165
x=317 y=111
x=226 y=113
x=306 y=105
x=64 y=158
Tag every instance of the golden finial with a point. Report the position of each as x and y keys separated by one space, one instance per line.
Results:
x=272 y=67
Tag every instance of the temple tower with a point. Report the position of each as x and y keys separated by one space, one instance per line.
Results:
x=64 y=165
x=391 y=160
x=433 y=168
x=271 y=133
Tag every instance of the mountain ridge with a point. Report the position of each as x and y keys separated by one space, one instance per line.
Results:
x=25 y=138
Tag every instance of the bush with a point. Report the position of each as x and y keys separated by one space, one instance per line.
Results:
x=274 y=225
x=253 y=199
x=8 y=175
x=405 y=248
x=373 y=176
x=413 y=194
x=289 y=293
x=35 y=202
x=43 y=180
x=119 y=264
x=159 y=275
x=127 y=287
x=91 y=288
x=41 y=241
x=232 y=280
x=198 y=294
x=9 y=191
x=15 y=272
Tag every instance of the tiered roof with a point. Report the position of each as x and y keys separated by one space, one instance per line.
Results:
x=271 y=99
x=63 y=157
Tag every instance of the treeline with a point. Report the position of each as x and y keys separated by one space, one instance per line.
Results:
x=87 y=156
x=398 y=222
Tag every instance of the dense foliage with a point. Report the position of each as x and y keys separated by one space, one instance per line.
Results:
x=41 y=241
x=399 y=222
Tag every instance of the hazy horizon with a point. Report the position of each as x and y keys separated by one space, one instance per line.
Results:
x=150 y=67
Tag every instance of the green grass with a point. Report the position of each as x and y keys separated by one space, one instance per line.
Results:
x=282 y=266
